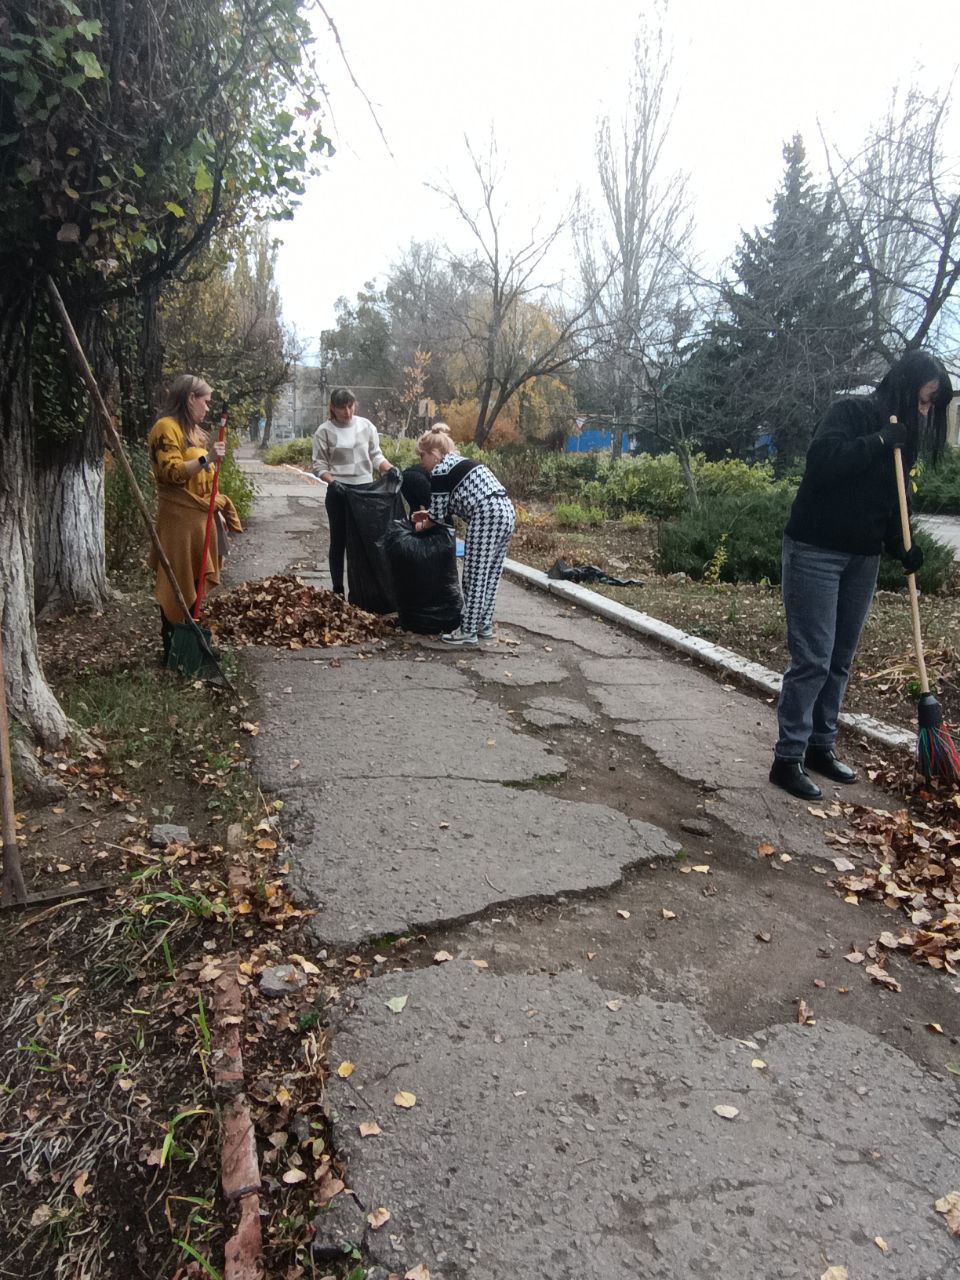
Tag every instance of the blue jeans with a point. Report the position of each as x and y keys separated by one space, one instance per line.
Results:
x=826 y=596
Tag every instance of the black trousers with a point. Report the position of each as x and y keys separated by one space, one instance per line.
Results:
x=336 y=506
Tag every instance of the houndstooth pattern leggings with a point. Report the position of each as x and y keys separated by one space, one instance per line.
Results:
x=489 y=531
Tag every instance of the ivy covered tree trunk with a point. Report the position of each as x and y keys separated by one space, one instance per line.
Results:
x=29 y=698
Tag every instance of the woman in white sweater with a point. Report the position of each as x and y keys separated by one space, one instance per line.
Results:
x=346 y=451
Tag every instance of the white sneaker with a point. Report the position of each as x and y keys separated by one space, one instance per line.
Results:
x=459 y=637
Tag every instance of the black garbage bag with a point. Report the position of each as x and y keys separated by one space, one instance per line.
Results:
x=564 y=572
x=423 y=570
x=370 y=509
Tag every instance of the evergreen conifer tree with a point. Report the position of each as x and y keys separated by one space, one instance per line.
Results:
x=796 y=324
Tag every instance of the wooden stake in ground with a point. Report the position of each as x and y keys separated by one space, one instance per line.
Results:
x=13 y=889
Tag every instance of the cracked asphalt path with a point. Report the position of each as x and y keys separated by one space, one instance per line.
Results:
x=521 y=808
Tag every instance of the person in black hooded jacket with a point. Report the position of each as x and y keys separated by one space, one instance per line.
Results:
x=844 y=515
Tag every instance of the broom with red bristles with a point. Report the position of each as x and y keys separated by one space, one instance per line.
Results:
x=936 y=754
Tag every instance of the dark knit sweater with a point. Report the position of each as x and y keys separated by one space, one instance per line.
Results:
x=847 y=500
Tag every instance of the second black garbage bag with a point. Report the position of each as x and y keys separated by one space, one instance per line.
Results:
x=371 y=508
x=423 y=573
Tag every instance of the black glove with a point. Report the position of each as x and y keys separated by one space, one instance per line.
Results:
x=912 y=559
x=895 y=436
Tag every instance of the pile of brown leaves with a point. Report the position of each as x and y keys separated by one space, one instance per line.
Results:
x=285 y=612
x=916 y=852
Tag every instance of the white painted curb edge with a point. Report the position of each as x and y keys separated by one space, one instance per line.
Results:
x=713 y=655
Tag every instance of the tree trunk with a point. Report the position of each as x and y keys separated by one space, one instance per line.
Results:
x=29 y=698
x=70 y=563
x=267 y=422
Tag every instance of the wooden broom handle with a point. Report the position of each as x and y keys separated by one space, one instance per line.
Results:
x=911 y=578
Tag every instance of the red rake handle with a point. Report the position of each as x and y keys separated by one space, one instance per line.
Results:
x=206 y=535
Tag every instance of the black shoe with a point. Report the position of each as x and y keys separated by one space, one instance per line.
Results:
x=790 y=775
x=822 y=760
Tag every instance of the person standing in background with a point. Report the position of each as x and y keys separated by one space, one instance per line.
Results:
x=346 y=451
x=845 y=514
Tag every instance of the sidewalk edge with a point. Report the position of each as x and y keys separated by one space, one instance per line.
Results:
x=714 y=655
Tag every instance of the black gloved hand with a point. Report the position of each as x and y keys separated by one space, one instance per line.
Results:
x=395 y=474
x=912 y=559
x=895 y=436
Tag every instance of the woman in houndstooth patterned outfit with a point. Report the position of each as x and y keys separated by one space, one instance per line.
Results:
x=460 y=487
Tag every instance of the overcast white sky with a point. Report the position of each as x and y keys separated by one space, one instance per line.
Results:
x=749 y=74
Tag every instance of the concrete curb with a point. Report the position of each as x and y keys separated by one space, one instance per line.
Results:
x=714 y=655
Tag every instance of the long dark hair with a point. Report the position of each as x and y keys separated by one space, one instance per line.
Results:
x=899 y=392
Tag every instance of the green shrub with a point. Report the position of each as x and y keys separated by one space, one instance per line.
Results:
x=634 y=520
x=739 y=539
x=236 y=484
x=517 y=467
x=571 y=515
x=562 y=474
x=938 y=489
x=401 y=452
x=749 y=530
x=124 y=533
x=299 y=453
x=732 y=476
x=936 y=572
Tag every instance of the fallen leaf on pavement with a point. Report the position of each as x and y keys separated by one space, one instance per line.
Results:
x=404 y=1099
x=881 y=1244
x=378 y=1217
x=293 y=1176
x=880 y=975
x=935 y=1027
x=765 y=850
x=369 y=1129
x=441 y=957
x=759 y=1064
x=614 y=1005
x=949 y=1206
x=481 y=964
x=344 y=1070
x=396 y=1004
x=725 y=1112
x=762 y=936
x=704 y=868
x=836 y=1273
x=855 y=956
x=624 y=914
x=420 y=1272
x=805 y=1014
x=668 y=915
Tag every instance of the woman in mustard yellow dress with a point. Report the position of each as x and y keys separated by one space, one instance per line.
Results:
x=182 y=458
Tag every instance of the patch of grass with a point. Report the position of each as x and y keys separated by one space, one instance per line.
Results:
x=572 y=514
x=152 y=721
